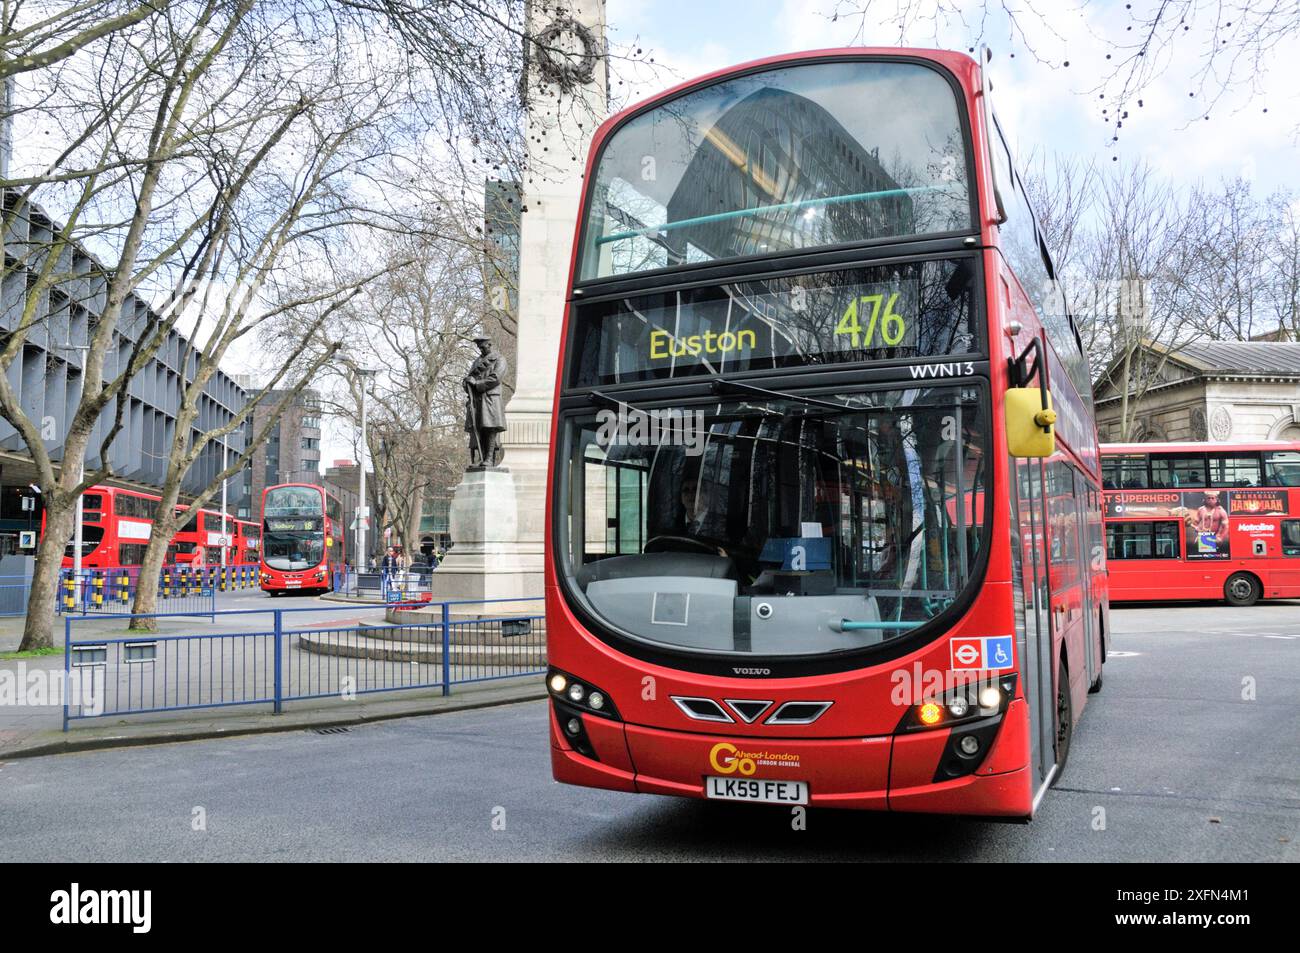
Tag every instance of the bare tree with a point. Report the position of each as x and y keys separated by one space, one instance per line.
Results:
x=38 y=35
x=1233 y=41
x=137 y=118
x=416 y=323
x=176 y=167
x=1283 y=218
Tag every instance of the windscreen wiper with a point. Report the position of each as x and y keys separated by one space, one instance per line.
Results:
x=722 y=385
x=600 y=397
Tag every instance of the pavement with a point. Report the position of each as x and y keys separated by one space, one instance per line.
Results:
x=1187 y=755
x=32 y=730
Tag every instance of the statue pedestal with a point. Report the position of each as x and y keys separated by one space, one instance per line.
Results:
x=484 y=561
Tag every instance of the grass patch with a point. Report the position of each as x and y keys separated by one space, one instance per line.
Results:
x=30 y=653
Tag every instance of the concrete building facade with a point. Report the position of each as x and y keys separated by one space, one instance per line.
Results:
x=47 y=377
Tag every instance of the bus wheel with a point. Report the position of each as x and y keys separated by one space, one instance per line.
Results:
x=1064 y=721
x=1242 y=589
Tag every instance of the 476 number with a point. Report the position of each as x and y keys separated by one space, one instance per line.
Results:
x=892 y=326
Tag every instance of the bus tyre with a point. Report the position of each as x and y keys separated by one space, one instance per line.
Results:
x=1242 y=589
x=1064 y=721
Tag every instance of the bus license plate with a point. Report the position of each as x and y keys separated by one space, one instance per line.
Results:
x=754 y=789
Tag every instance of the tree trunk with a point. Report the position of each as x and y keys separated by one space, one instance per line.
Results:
x=413 y=518
x=38 y=628
x=146 y=588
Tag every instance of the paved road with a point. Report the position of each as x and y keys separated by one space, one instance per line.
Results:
x=1184 y=767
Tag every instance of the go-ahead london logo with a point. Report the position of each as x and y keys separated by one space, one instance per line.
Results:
x=726 y=758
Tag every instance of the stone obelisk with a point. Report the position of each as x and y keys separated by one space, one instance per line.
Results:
x=499 y=542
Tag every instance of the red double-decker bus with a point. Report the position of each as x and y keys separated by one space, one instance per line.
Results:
x=1203 y=521
x=301 y=546
x=116 y=525
x=189 y=546
x=825 y=493
x=246 y=542
x=115 y=529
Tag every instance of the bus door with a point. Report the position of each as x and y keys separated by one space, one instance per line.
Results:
x=1033 y=635
x=1065 y=540
x=1085 y=498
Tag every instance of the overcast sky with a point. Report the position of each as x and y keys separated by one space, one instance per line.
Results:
x=1047 y=107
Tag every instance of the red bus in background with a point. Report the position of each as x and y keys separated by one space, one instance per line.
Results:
x=198 y=543
x=301 y=545
x=246 y=543
x=825 y=520
x=1203 y=521
x=189 y=545
x=116 y=524
x=115 y=528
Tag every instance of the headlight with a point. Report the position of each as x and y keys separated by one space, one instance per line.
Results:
x=580 y=695
x=961 y=705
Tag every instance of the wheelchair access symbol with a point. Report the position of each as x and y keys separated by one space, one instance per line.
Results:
x=997 y=652
x=990 y=653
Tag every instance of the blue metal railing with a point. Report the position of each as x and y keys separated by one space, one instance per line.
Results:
x=445 y=645
x=13 y=594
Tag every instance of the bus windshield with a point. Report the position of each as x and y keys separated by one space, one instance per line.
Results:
x=293 y=501
x=780 y=524
x=807 y=156
x=293 y=550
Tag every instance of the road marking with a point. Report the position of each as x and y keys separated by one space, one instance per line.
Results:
x=1116 y=654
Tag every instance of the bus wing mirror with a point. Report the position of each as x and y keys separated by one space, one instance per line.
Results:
x=1031 y=422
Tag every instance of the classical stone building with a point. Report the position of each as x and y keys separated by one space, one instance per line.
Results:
x=1215 y=390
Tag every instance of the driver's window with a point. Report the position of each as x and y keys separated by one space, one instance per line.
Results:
x=614 y=499
x=593 y=494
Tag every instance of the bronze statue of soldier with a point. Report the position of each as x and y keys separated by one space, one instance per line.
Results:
x=485 y=413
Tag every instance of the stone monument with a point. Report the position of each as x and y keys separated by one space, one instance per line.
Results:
x=498 y=512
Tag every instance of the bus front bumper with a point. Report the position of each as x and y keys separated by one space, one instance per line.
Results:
x=882 y=773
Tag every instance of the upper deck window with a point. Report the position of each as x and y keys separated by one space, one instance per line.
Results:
x=803 y=157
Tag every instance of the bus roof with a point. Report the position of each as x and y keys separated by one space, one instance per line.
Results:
x=960 y=64
x=1206 y=446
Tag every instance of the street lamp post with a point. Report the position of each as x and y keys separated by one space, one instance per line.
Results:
x=225 y=539
x=77 y=521
x=78 y=524
x=363 y=510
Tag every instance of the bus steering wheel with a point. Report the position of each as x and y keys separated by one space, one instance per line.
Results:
x=673 y=544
